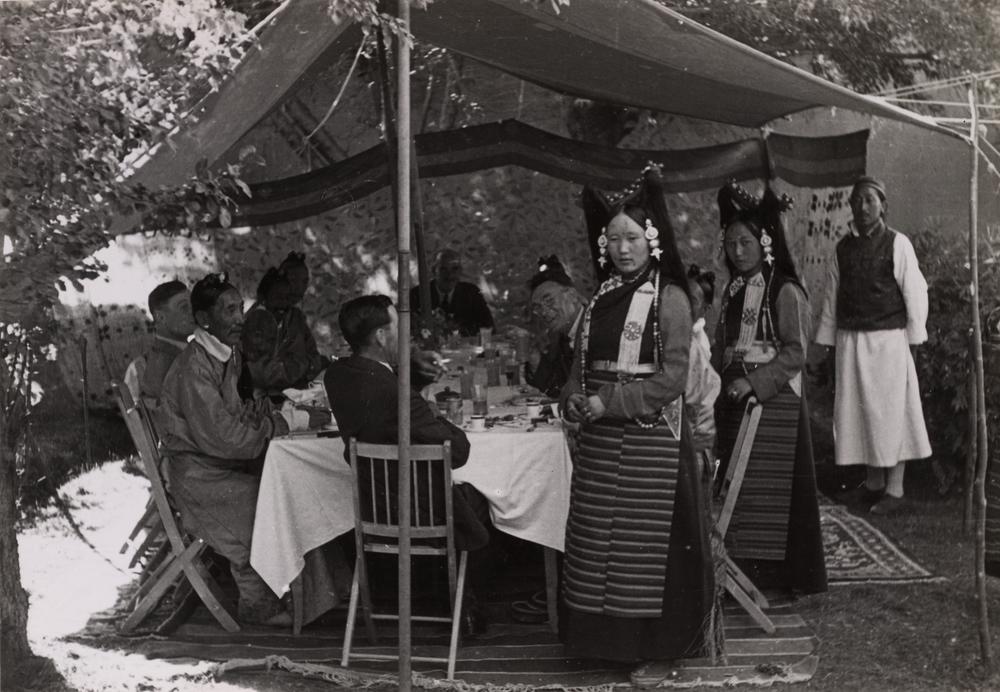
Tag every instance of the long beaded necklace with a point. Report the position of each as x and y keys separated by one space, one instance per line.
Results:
x=609 y=285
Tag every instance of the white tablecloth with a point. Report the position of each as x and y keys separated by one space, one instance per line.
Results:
x=305 y=494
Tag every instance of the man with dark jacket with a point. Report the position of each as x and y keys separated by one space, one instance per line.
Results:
x=459 y=302
x=362 y=390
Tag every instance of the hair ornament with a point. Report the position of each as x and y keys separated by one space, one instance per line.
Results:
x=652 y=234
x=765 y=243
x=602 y=246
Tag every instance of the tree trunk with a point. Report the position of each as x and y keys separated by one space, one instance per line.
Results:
x=14 y=646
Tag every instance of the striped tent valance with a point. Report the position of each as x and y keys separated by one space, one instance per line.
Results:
x=801 y=161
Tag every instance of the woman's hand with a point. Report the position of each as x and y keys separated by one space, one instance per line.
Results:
x=739 y=389
x=595 y=408
x=576 y=406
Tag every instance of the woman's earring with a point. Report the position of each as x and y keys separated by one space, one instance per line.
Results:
x=652 y=234
x=765 y=243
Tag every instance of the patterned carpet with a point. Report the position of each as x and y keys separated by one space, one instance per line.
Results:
x=857 y=552
x=513 y=655
x=508 y=656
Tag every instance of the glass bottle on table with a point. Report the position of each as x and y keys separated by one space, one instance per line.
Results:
x=466 y=379
x=493 y=372
x=480 y=406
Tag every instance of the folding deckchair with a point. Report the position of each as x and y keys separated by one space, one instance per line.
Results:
x=150 y=552
x=184 y=558
x=737 y=583
x=377 y=531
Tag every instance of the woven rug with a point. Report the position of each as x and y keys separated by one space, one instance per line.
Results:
x=509 y=656
x=856 y=552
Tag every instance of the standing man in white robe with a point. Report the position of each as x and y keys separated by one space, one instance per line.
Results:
x=875 y=310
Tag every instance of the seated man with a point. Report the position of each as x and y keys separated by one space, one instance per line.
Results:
x=214 y=441
x=170 y=307
x=460 y=302
x=278 y=345
x=363 y=395
x=556 y=307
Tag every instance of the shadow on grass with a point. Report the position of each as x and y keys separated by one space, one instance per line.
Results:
x=37 y=674
x=61 y=447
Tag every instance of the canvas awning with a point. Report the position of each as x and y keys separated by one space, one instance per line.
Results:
x=638 y=53
x=632 y=52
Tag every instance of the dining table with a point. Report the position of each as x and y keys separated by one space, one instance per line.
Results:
x=521 y=466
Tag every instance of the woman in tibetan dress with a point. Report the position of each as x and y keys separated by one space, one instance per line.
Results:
x=638 y=582
x=760 y=351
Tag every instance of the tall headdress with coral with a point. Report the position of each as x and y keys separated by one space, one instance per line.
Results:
x=762 y=217
x=643 y=198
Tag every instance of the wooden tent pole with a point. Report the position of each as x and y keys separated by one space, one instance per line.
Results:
x=388 y=125
x=404 y=146
x=420 y=239
x=969 y=473
x=985 y=648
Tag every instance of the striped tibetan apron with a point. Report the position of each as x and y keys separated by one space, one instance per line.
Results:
x=760 y=523
x=621 y=509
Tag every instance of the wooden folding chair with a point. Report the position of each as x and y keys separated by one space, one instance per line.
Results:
x=377 y=531
x=150 y=551
x=184 y=557
x=737 y=583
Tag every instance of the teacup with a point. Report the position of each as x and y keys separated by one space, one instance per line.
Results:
x=535 y=410
x=477 y=423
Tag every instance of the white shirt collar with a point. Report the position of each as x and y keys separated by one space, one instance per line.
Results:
x=218 y=350
x=173 y=342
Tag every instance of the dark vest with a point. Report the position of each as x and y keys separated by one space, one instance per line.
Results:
x=869 y=298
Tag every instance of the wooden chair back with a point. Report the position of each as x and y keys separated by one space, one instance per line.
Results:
x=376 y=485
x=141 y=430
x=738 y=460
x=374 y=469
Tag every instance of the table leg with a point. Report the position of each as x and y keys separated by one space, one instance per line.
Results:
x=298 y=607
x=551 y=592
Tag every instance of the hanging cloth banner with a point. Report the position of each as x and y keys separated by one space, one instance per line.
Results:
x=801 y=161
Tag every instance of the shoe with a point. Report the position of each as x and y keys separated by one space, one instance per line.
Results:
x=860 y=497
x=889 y=505
x=528 y=612
x=652 y=673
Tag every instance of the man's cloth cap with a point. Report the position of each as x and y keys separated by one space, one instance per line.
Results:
x=867 y=180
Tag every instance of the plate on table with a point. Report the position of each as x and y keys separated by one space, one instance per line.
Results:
x=532 y=400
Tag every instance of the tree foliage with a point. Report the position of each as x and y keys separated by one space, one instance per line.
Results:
x=867 y=45
x=90 y=87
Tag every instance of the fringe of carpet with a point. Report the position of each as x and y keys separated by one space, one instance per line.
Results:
x=353 y=679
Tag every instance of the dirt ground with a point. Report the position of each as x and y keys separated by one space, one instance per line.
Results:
x=873 y=637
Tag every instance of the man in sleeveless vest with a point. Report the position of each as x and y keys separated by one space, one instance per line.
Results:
x=875 y=310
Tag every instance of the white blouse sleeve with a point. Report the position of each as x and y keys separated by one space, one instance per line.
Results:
x=913 y=286
x=826 y=332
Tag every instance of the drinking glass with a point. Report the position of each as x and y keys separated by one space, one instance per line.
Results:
x=479 y=404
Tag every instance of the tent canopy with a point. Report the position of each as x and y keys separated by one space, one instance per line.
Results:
x=637 y=53
x=631 y=52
